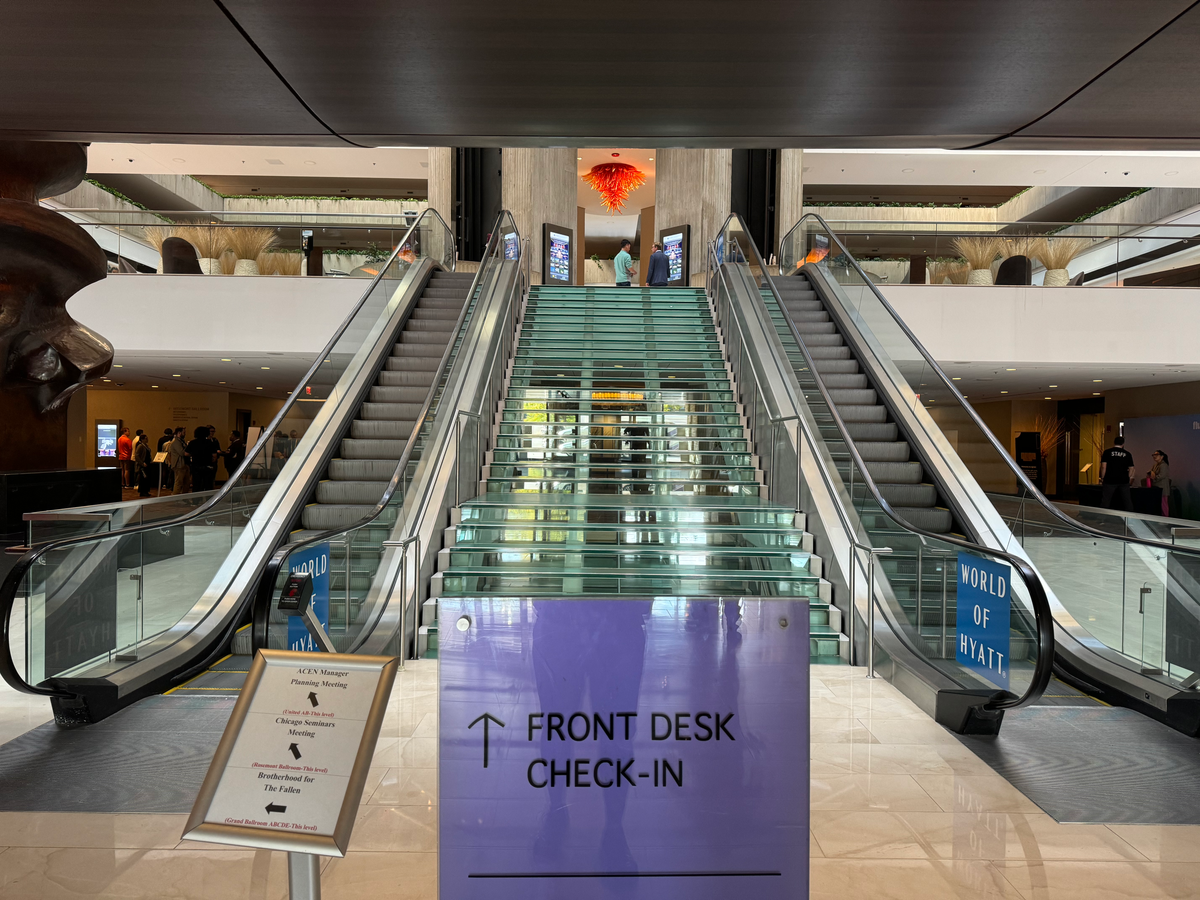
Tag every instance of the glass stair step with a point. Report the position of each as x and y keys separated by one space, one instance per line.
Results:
x=554 y=394
x=606 y=404
x=629 y=560
x=586 y=430
x=699 y=537
x=559 y=582
x=601 y=443
x=616 y=509
x=601 y=417
x=622 y=472
x=623 y=456
x=627 y=486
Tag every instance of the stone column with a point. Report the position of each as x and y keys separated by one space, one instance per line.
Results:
x=539 y=186
x=441 y=183
x=45 y=355
x=692 y=187
x=789 y=205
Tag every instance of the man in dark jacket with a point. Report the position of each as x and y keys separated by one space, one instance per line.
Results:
x=659 y=271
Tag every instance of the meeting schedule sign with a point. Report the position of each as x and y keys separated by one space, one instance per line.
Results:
x=984 y=617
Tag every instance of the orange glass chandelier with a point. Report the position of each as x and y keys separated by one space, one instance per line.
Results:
x=614 y=182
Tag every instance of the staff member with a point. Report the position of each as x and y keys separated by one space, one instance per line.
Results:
x=1116 y=475
x=659 y=271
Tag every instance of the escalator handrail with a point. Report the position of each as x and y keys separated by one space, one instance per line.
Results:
x=266 y=585
x=12 y=581
x=1043 y=615
x=1022 y=478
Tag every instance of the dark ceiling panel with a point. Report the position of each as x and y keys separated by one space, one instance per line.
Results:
x=142 y=67
x=1155 y=93
x=797 y=71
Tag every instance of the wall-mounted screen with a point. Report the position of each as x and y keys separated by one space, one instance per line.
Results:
x=557 y=246
x=675 y=243
x=107 y=432
x=512 y=245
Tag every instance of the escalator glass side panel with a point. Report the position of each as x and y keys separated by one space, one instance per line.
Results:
x=165 y=574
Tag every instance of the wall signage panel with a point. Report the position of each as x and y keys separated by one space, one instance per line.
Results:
x=984 y=617
x=654 y=749
x=315 y=561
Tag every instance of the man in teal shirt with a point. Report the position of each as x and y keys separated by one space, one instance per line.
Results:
x=623 y=263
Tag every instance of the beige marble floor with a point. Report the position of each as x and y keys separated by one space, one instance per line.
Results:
x=900 y=811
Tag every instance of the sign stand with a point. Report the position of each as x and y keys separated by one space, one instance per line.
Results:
x=290 y=769
x=304 y=876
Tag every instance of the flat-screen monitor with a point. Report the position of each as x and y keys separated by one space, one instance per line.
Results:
x=107 y=432
x=512 y=246
x=675 y=244
x=557 y=248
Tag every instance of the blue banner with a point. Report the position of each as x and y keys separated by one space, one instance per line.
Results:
x=314 y=561
x=648 y=750
x=984 y=617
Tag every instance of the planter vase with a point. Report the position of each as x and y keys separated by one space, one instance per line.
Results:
x=980 y=276
x=1056 y=278
x=210 y=266
x=246 y=267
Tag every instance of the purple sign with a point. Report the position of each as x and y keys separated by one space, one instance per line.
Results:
x=651 y=749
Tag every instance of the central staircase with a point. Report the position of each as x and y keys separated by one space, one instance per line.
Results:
x=622 y=466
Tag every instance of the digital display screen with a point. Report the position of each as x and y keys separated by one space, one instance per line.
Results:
x=560 y=256
x=673 y=248
x=512 y=246
x=106 y=440
x=820 y=248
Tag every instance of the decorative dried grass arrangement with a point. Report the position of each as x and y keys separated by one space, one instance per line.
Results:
x=980 y=253
x=210 y=242
x=1022 y=245
x=156 y=234
x=228 y=262
x=1056 y=254
x=273 y=263
x=941 y=270
x=248 y=243
x=959 y=274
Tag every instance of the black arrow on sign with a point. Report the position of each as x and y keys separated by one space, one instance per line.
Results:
x=295 y=750
x=273 y=808
x=486 y=718
x=312 y=698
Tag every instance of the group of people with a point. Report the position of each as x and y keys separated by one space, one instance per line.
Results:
x=1117 y=477
x=657 y=274
x=188 y=466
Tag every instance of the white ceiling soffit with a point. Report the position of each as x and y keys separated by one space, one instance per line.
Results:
x=606 y=226
x=212 y=159
x=966 y=167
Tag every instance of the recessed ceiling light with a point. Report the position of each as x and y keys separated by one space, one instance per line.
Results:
x=265 y=368
x=580 y=158
x=651 y=159
x=258 y=389
x=1010 y=370
x=956 y=379
x=224 y=359
x=176 y=376
x=220 y=382
x=1095 y=393
x=118 y=365
x=154 y=385
x=108 y=379
x=1004 y=392
x=1048 y=398
x=1097 y=380
x=1054 y=385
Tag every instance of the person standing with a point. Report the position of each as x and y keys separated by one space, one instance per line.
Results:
x=623 y=264
x=1116 y=475
x=201 y=460
x=659 y=271
x=1160 y=477
x=236 y=452
x=125 y=457
x=165 y=475
x=177 y=460
x=141 y=464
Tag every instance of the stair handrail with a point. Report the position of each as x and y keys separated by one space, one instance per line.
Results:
x=1043 y=615
x=948 y=384
x=266 y=584
x=30 y=555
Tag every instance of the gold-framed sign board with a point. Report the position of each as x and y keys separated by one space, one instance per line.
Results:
x=289 y=771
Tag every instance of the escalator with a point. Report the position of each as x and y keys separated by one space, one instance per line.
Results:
x=170 y=583
x=943 y=471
